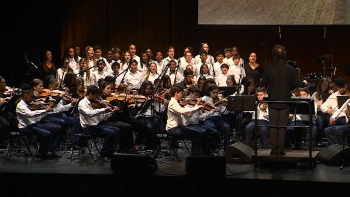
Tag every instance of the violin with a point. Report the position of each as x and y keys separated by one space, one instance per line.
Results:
x=45 y=93
x=188 y=102
x=97 y=104
x=138 y=99
x=218 y=101
x=38 y=105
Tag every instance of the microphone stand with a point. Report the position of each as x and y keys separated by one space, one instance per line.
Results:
x=124 y=72
x=27 y=74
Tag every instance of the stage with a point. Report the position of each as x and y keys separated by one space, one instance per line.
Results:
x=62 y=177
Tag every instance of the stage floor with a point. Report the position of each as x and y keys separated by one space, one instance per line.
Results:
x=239 y=177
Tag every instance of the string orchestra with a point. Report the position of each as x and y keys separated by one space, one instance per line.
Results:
x=126 y=100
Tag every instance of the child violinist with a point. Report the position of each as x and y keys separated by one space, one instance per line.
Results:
x=213 y=118
x=30 y=122
x=192 y=120
x=175 y=126
x=147 y=117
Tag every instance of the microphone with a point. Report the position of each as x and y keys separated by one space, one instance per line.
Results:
x=324 y=32
x=279 y=31
x=25 y=55
x=33 y=64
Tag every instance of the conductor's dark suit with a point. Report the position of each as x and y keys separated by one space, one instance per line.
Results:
x=279 y=78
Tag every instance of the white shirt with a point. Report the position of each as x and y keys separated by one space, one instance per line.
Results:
x=198 y=66
x=144 y=69
x=159 y=107
x=97 y=75
x=332 y=103
x=133 y=80
x=73 y=65
x=212 y=113
x=60 y=74
x=166 y=61
x=217 y=68
x=26 y=117
x=209 y=60
x=193 y=117
x=229 y=61
x=174 y=113
x=238 y=72
x=123 y=66
x=221 y=80
x=262 y=115
x=183 y=64
x=137 y=58
x=151 y=77
x=159 y=66
x=60 y=107
x=87 y=82
x=179 y=77
x=341 y=111
x=89 y=116
x=108 y=67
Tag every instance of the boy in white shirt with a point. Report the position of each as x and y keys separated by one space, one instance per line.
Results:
x=220 y=80
x=219 y=61
x=175 y=126
x=100 y=73
x=263 y=119
x=237 y=70
x=228 y=57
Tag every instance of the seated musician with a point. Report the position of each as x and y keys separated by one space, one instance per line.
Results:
x=334 y=133
x=57 y=116
x=301 y=120
x=192 y=120
x=148 y=117
x=126 y=130
x=213 y=118
x=30 y=122
x=175 y=126
x=331 y=104
x=263 y=119
x=323 y=86
x=93 y=122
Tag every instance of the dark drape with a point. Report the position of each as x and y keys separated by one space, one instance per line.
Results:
x=158 y=24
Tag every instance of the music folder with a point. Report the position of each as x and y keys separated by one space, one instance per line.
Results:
x=325 y=96
x=341 y=100
x=241 y=103
x=227 y=90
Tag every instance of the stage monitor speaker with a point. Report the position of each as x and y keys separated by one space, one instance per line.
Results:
x=238 y=153
x=131 y=163
x=206 y=166
x=334 y=154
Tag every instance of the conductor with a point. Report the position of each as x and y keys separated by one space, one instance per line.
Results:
x=278 y=78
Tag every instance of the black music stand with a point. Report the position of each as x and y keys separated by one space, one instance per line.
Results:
x=241 y=103
x=341 y=100
x=227 y=90
x=325 y=96
x=302 y=108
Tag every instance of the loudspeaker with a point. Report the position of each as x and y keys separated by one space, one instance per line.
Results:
x=206 y=166
x=334 y=154
x=126 y=163
x=238 y=153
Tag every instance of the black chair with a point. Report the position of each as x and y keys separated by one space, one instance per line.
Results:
x=82 y=141
x=14 y=143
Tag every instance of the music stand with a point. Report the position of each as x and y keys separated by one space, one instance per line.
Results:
x=302 y=108
x=325 y=96
x=341 y=100
x=241 y=103
x=227 y=90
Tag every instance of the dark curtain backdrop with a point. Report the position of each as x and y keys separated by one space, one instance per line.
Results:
x=158 y=24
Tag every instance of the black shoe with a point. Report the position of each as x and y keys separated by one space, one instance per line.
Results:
x=281 y=153
x=40 y=156
x=272 y=152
